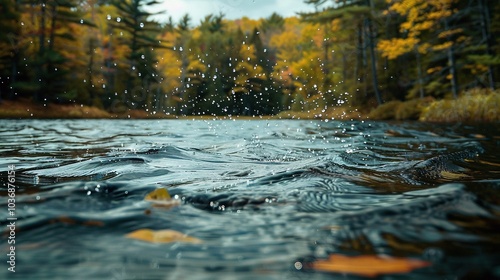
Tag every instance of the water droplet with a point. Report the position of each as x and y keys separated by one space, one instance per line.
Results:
x=118 y=19
x=108 y=17
x=141 y=24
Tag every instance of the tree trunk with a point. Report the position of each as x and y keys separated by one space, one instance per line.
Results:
x=37 y=96
x=370 y=35
x=453 y=67
x=419 y=72
x=485 y=29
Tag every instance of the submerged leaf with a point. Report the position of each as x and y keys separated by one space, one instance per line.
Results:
x=162 y=236
x=368 y=265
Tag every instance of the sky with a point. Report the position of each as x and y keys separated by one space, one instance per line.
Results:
x=232 y=9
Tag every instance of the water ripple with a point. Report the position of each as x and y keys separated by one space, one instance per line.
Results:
x=260 y=194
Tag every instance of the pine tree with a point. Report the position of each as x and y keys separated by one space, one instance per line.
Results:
x=139 y=33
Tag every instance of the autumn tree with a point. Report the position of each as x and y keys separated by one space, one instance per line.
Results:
x=359 y=14
x=422 y=20
x=53 y=23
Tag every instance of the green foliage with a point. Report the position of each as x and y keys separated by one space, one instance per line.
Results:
x=141 y=33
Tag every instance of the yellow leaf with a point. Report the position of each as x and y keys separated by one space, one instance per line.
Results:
x=158 y=194
x=162 y=236
x=161 y=198
x=368 y=265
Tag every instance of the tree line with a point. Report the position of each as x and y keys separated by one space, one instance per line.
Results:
x=113 y=55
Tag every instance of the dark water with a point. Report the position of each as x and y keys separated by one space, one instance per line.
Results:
x=261 y=195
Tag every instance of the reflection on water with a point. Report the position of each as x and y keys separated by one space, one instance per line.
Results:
x=262 y=195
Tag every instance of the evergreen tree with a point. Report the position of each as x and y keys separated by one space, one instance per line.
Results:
x=9 y=46
x=139 y=33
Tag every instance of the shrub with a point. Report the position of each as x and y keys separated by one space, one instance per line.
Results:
x=476 y=105
x=386 y=111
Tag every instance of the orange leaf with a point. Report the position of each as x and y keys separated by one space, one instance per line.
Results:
x=162 y=236
x=368 y=265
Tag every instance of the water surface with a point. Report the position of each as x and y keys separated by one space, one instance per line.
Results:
x=262 y=195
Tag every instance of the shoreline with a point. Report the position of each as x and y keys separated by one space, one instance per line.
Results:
x=26 y=109
x=473 y=107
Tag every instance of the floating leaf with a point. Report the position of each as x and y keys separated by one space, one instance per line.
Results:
x=162 y=236
x=368 y=265
x=158 y=194
x=161 y=198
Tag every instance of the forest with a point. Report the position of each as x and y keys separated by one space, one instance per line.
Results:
x=361 y=53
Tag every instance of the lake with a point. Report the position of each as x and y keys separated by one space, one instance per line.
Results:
x=266 y=199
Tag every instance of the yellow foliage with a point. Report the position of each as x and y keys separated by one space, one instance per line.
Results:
x=196 y=65
x=313 y=33
x=162 y=236
x=451 y=32
x=245 y=24
x=434 y=69
x=472 y=106
x=385 y=111
x=443 y=46
x=336 y=25
x=396 y=47
x=422 y=15
x=422 y=48
x=476 y=69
